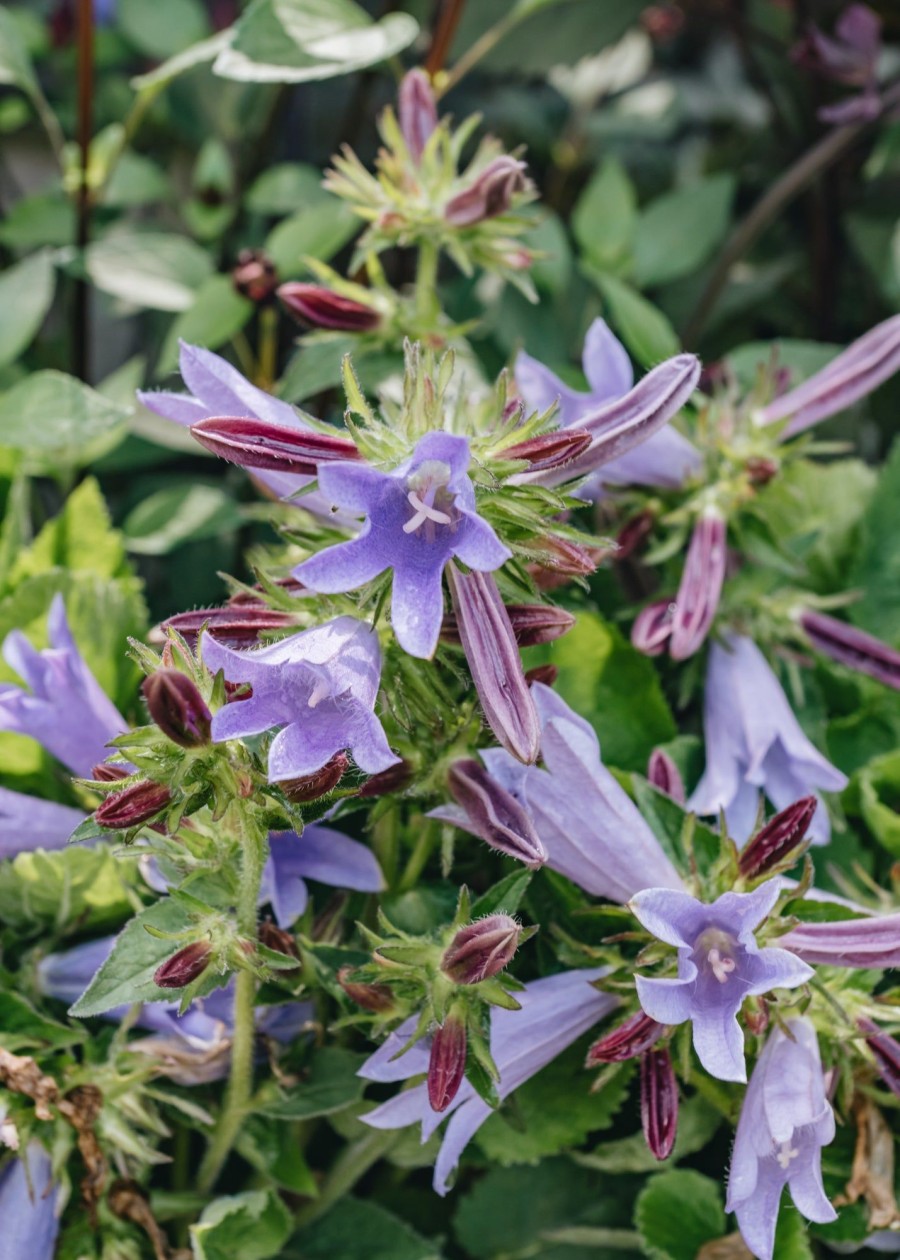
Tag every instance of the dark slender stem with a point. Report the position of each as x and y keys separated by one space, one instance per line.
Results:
x=81 y=303
x=448 y=21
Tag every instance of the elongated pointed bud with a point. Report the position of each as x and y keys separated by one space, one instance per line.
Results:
x=417 y=111
x=256 y=443
x=133 y=806
x=851 y=647
x=549 y=450
x=255 y=275
x=782 y=835
x=490 y=193
x=633 y=534
x=632 y=1037
x=313 y=786
x=663 y=773
x=531 y=624
x=237 y=627
x=394 y=779
x=546 y=674
x=481 y=949
x=103 y=772
x=652 y=627
x=659 y=1102
x=871 y=942
x=886 y=1053
x=319 y=307
x=490 y=646
x=494 y=814
x=447 y=1062
x=561 y=558
x=377 y=998
x=184 y=967
x=177 y=707
x=701 y=586
x=279 y=940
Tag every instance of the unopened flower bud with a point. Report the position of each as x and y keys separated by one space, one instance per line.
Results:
x=546 y=674
x=490 y=193
x=377 y=998
x=663 y=773
x=313 y=786
x=567 y=558
x=633 y=534
x=760 y=470
x=659 y=1102
x=549 y=450
x=781 y=836
x=494 y=814
x=394 y=779
x=318 y=307
x=254 y=275
x=886 y=1053
x=417 y=111
x=104 y=772
x=177 y=707
x=253 y=443
x=757 y=1021
x=184 y=967
x=652 y=627
x=238 y=627
x=133 y=805
x=638 y=1033
x=531 y=624
x=447 y=1063
x=851 y=647
x=277 y=939
x=701 y=586
x=481 y=949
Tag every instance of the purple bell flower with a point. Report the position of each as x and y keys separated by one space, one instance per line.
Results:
x=785 y=1121
x=664 y=459
x=322 y=854
x=64 y=707
x=27 y=823
x=554 y=1013
x=753 y=742
x=28 y=1207
x=320 y=686
x=418 y=517
x=719 y=964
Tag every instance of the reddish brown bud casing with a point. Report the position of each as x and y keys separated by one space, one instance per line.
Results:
x=106 y=773
x=531 y=624
x=133 y=805
x=371 y=997
x=447 y=1064
x=277 y=939
x=394 y=779
x=659 y=1102
x=319 y=307
x=490 y=193
x=638 y=1033
x=177 y=707
x=256 y=443
x=662 y=772
x=781 y=835
x=481 y=949
x=237 y=627
x=184 y=967
x=494 y=814
x=314 y=786
x=254 y=275
x=546 y=674
x=549 y=450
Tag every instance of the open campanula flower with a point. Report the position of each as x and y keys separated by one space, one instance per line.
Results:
x=753 y=742
x=418 y=517
x=785 y=1121
x=554 y=1012
x=61 y=705
x=320 y=853
x=28 y=1207
x=719 y=964
x=319 y=686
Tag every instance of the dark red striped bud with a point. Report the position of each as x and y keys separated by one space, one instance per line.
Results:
x=371 y=997
x=313 y=786
x=851 y=647
x=549 y=450
x=106 y=773
x=545 y=674
x=886 y=1053
x=567 y=558
x=663 y=773
x=237 y=627
x=394 y=779
x=254 y=275
x=659 y=1102
x=781 y=835
x=177 y=707
x=133 y=805
x=319 y=307
x=700 y=589
x=481 y=949
x=531 y=624
x=184 y=967
x=256 y=443
x=494 y=814
x=447 y=1064
x=638 y=1033
x=633 y=534
x=760 y=470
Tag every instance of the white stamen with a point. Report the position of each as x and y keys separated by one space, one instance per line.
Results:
x=424 y=512
x=786 y=1153
x=9 y=1135
x=721 y=967
x=319 y=692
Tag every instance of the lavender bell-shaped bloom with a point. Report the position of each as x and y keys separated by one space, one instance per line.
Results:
x=27 y=823
x=719 y=964
x=418 y=518
x=588 y=826
x=785 y=1121
x=64 y=707
x=29 y=1223
x=753 y=742
x=319 y=686
x=554 y=1013
x=664 y=459
x=322 y=854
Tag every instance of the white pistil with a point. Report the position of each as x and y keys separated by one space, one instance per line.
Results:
x=721 y=967
x=319 y=692
x=424 y=512
x=786 y=1153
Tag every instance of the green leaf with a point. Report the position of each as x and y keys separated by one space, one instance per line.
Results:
x=179 y=514
x=803 y=358
x=505 y=897
x=677 y=1213
x=216 y=315
x=284 y=188
x=360 y=1230
x=43 y=219
x=680 y=230
x=50 y=412
x=273 y=1149
x=605 y=216
x=163 y=28
x=331 y=1085
x=26 y=291
x=876 y=571
x=135 y=181
x=552 y=273
x=16 y=69
x=644 y=329
x=154 y=269
x=81 y=538
x=68 y=887
x=24 y=1028
x=316 y=231
x=791 y=1237
x=316 y=366
x=196 y=55
x=254 y=1225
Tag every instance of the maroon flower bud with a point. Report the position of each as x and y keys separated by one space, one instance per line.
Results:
x=531 y=624
x=567 y=558
x=184 y=967
x=277 y=939
x=851 y=647
x=177 y=707
x=371 y=997
x=662 y=772
x=662 y=22
x=886 y=1053
x=638 y=1033
x=782 y=835
x=394 y=779
x=256 y=443
x=318 y=307
x=313 y=786
x=254 y=598
x=106 y=773
x=701 y=586
x=490 y=193
x=659 y=1102
x=255 y=276
x=481 y=949
x=447 y=1063
x=549 y=450
x=494 y=814
x=757 y=1021
x=237 y=627
x=652 y=627
x=417 y=111
x=760 y=470
x=545 y=674
x=133 y=805
x=633 y=534
x=490 y=647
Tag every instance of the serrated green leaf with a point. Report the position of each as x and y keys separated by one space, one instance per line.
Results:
x=254 y=1225
x=679 y=230
x=177 y=515
x=24 y=1028
x=52 y=413
x=331 y=1085
x=84 y=887
x=505 y=897
x=360 y=1230
x=677 y=1213
x=697 y=1123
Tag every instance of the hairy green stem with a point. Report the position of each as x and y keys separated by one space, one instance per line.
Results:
x=427 y=308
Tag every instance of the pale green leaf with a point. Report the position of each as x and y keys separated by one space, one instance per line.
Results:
x=177 y=515
x=154 y=269
x=26 y=291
